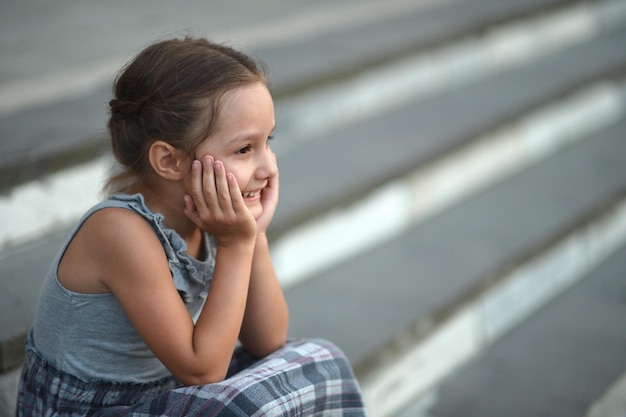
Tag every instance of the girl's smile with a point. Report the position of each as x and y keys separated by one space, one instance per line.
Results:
x=251 y=196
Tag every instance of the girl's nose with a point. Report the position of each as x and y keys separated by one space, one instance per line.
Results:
x=267 y=166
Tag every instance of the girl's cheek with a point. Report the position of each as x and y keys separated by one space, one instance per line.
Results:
x=233 y=169
x=240 y=184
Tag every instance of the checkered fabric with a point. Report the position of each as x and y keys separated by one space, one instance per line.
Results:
x=304 y=378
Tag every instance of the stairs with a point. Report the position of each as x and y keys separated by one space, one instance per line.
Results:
x=453 y=193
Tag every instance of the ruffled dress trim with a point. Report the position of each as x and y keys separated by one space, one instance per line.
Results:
x=192 y=277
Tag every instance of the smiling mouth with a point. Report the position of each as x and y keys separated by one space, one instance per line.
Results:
x=251 y=194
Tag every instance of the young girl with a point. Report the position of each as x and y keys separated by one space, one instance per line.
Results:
x=164 y=300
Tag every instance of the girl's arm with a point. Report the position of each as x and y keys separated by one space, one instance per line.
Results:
x=137 y=272
x=266 y=319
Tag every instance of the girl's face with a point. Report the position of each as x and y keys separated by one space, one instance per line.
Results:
x=241 y=141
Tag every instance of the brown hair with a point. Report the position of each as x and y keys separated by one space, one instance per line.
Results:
x=171 y=92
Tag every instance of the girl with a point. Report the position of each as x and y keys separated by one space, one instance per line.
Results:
x=126 y=324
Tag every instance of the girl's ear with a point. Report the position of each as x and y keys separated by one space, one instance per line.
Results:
x=167 y=161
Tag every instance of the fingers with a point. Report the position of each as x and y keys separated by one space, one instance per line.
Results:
x=235 y=193
x=213 y=190
x=209 y=189
x=229 y=196
x=270 y=193
x=197 y=189
x=274 y=180
x=269 y=200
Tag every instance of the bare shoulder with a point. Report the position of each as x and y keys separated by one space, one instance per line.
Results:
x=117 y=222
x=121 y=236
x=112 y=242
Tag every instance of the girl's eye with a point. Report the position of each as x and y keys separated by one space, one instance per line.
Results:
x=244 y=150
x=269 y=139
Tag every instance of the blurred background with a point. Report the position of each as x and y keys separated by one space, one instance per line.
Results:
x=453 y=183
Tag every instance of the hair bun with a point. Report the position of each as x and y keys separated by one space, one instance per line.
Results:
x=125 y=108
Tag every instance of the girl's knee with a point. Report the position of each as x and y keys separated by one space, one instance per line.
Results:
x=324 y=352
x=328 y=346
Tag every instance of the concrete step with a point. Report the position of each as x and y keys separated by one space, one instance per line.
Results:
x=396 y=141
x=378 y=161
x=557 y=363
x=340 y=53
x=397 y=296
x=321 y=49
x=612 y=402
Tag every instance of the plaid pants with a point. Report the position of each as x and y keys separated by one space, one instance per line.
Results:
x=304 y=378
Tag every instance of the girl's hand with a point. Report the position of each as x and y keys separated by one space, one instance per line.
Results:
x=216 y=204
x=269 y=201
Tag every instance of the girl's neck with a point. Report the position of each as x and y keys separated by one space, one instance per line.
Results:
x=170 y=203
